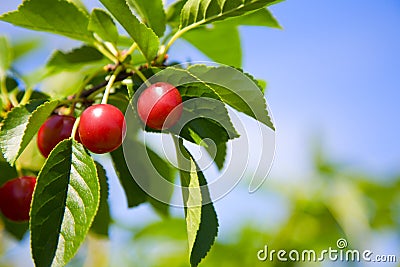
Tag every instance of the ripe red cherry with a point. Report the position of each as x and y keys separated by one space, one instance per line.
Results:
x=16 y=197
x=159 y=106
x=102 y=128
x=53 y=131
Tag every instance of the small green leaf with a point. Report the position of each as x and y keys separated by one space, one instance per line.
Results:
x=201 y=218
x=170 y=228
x=16 y=229
x=207 y=133
x=228 y=51
x=11 y=83
x=166 y=170
x=263 y=85
x=173 y=13
x=102 y=24
x=134 y=194
x=60 y=82
x=65 y=202
x=21 y=124
x=152 y=14
x=102 y=220
x=80 y=5
x=7 y=172
x=199 y=12
x=60 y=17
x=31 y=152
x=206 y=118
x=145 y=38
x=220 y=155
x=261 y=17
x=6 y=55
x=74 y=59
x=24 y=47
x=148 y=168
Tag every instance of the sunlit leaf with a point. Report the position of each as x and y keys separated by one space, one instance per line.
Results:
x=64 y=204
x=147 y=41
x=102 y=220
x=102 y=24
x=198 y=12
x=21 y=124
x=60 y=17
x=152 y=14
x=201 y=218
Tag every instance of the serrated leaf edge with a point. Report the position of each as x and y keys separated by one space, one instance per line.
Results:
x=67 y=33
x=12 y=161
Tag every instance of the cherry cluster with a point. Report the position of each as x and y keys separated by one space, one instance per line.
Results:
x=101 y=129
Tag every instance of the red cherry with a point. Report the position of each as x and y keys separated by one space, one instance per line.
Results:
x=159 y=106
x=102 y=128
x=53 y=131
x=16 y=197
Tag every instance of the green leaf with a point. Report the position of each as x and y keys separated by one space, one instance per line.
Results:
x=205 y=118
x=146 y=40
x=201 y=218
x=261 y=17
x=75 y=58
x=228 y=49
x=263 y=85
x=199 y=12
x=220 y=155
x=148 y=168
x=21 y=124
x=65 y=202
x=35 y=95
x=102 y=24
x=59 y=82
x=80 y=5
x=7 y=172
x=152 y=14
x=11 y=83
x=102 y=220
x=239 y=91
x=59 y=17
x=31 y=152
x=173 y=13
x=134 y=194
x=16 y=229
x=170 y=228
x=209 y=134
x=25 y=46
x=6 y=55
x=166 y=170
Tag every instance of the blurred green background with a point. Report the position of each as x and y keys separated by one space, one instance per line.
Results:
x=333 y=87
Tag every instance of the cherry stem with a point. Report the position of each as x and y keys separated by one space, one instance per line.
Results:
x=4 y=91
x=140 y=74
x=120 y=77
x=128 y=52
x=13 y=99
x=75 y=127
x=26 y=97
x=110 y=84
x=18 y=168
x=105 y=51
